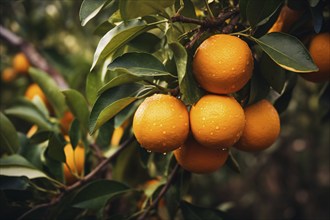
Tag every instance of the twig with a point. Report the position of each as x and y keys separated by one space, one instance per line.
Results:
x=195 y=38
x=82 y=181
x=161 y=193
x=230 y=27
x=97 y=151
x=33 y=55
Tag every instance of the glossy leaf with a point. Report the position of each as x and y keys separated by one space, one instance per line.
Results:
x=74 y=133
x=110 y=103
x=192 y=212
x=93 y=84
x=139 y=64
x=51 y=90
x=121 y=79
x=188 y=86
x=90 y=8
x=126 y=113
x=134 y=8
x=96 y=194
x=259 y=11
x=78 y=106
x=119 y=36
x=56 y=148
x=8 y=136
x=273 y=74
x=287 y=51
x=27 y=111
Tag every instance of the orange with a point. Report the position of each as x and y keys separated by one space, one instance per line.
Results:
x=223 y=64
x=319 y=49
x=20 y=63
x=262 y=127
x=32 y=131
x=34 y=90
x=66 y=121
x=75 y=159
x=285 y=20
x=217 y=121
x=8 y=74
x=196 y=158
x=161 y=123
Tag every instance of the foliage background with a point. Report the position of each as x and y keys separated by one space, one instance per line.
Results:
x=291 y=180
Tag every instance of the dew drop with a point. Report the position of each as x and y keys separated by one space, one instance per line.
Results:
x=233 y=86
x=224 y=149
x=185 y=124
x=203 y=126
x=244 y=71
x=164 y=132
x=203 y=118
x=213 y=75
x=173 y=126
x=164 y=153
x=154 y=123
x=232 y=68
x=211 y=133
x=149 y=151
x=161 y=125
x=217 y=127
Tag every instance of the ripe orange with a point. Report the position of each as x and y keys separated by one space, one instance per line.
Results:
x=196 y=158
x=34 y=90
x=319 y=49
x=75 y=159
x=66 y=121
x=8 y=74
x=161 y=123
x=285 y=20
x=217 y=121
x=20 y=63
x=223 y=64
x=262 y=127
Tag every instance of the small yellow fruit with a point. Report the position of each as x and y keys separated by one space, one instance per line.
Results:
x=196 y=158
x=20 y=63
x=262 y=127
x=66 y=121
x=217 y=121
x=75 y=159
x=161 y=123
x=223 y=64
x=34 y=90
x=8 y=74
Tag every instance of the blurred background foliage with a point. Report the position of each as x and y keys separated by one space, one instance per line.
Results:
x=291 y=180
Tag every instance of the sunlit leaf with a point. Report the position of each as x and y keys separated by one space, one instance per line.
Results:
x=27 y=111
x=78 y=105
x=110 y=103
x=96 y=194
x=8 y=136
x=51 y=90
x=90 y=8
x=128 y=8
x=139 y=64
x=287 y=51
x=119 y=36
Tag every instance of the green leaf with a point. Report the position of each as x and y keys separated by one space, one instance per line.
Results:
x=126 y=113
x=110 y=103
x=78 y=106
x=16 y=165
x=105 y=134
x=242 y=8
x=96 y=194
x=90 y=8
x=14 y=183
x=56 y=148
x=8 y=136
x=74 y=133
x=134 y=8
x=27 y=111
x=273 y=74
x=259 y=11
x=259 y=88
x=192 y=212
x=282 y=103
x=188 y=86
x=139 y=64
x=287 y=51
x=119 y=36
x=93 y=83
x=121 y=79
x=51 y=90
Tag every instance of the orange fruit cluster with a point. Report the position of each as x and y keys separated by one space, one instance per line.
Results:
x=20 y=65
x=202 y=137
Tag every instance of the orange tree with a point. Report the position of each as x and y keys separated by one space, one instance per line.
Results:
x=213 y=105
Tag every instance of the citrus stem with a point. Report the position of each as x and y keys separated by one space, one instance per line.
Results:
x=209 y=9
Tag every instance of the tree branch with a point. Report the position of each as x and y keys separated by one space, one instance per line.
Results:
x=33 y=56
x=161 y=193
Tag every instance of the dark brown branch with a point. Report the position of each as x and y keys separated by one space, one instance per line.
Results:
x=230 y=27
x=84 y=180
x=161 y=193
x=195 y=38
x=33 y=56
